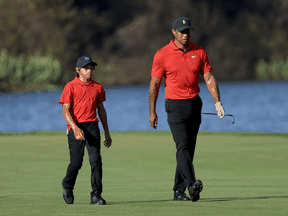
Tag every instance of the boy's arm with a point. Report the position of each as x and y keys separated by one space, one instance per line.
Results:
x=78 y=133
x=103 y=118
x=153 y=95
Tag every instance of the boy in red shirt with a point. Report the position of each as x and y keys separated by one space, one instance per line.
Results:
x=80 y=100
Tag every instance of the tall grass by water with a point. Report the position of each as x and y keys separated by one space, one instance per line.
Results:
x=35 y=73
x=276 y=69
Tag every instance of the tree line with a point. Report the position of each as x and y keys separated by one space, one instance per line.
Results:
x=244 y=39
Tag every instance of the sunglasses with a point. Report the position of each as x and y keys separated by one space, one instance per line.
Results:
x=91 y=68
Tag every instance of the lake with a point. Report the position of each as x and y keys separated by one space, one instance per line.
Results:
x=257 y=107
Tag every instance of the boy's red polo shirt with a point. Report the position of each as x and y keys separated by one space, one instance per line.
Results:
x=181 y=70
x=84 y=100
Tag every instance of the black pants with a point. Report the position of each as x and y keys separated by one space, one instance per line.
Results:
x=184 y=119
x=77 y=147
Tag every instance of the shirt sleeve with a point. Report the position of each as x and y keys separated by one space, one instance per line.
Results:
x=158 y=69
x=206 y=67
x=66 y=96
x=102 y=96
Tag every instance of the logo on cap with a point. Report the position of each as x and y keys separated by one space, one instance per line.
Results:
x=184 y=22
x=87 y=59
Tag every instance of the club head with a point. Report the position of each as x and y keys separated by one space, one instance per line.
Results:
x=233 y=119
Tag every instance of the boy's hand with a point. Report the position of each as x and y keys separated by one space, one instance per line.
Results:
x=108 y=140
x=79 y=134
x=153 y=120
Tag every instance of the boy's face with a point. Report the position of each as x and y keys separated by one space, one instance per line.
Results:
x=86 y=72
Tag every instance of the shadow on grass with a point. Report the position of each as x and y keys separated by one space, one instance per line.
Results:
x=204 y=199
x=240 y=198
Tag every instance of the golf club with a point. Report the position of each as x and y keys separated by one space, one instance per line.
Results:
x=224 y=115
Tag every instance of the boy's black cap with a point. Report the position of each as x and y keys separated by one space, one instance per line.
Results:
x=181 y=23
x=84 y=60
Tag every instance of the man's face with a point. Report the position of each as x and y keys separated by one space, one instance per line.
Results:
x=86 y=72
x=182 y=37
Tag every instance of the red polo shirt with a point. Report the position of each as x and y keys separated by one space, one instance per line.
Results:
x=181 y=70
x=84 y=100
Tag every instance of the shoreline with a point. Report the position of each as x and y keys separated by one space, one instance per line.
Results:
x=58 y=88
x=150 y=132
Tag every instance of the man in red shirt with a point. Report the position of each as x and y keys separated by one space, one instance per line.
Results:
x=80 y=100
x=180 y=63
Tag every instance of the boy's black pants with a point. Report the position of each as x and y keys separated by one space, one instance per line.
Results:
x=76 y=148
x=184 y=119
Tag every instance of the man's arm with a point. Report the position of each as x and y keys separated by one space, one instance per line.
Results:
x=103 y=118
x=213 y=88
x=153 y=95
x=78 y=133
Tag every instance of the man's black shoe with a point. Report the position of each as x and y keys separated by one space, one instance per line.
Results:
x=195 y=189
x=180 y=196
x=68 y=196
x=96 y=199
x=196 y=198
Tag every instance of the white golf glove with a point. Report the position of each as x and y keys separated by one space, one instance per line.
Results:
x=220 y=109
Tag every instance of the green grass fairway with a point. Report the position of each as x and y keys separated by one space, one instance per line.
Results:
x=242 y=173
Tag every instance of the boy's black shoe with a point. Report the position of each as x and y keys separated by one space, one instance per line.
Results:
x=180 y=196
x=96 y=199
x=195 y=189
x=68 y=196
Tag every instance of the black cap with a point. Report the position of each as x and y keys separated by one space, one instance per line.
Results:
x=84 y=60
x=181 y=23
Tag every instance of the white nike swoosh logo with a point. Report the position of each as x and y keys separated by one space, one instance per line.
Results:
x=193 y=56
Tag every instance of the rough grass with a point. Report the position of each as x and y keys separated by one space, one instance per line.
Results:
x=242 y=173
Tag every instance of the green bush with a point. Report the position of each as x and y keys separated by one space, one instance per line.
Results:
x=277 y=69
x=3 y=65
x=285 y=69
x=42 y=70
x=35 y=71
x=262 y=71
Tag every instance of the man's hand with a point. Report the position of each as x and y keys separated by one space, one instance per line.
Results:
x=108 y=141
x=153 y=120
x=220 y=109
x=79 y=134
